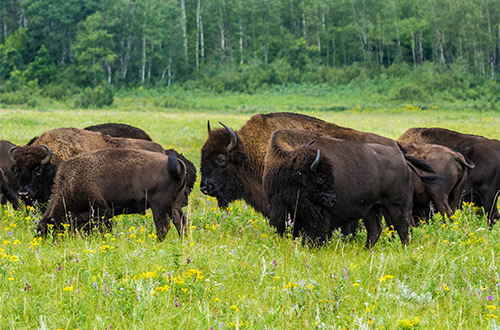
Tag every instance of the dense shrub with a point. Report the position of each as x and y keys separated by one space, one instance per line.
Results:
x=98 y=97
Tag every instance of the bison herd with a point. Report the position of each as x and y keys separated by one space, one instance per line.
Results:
x=296 y=170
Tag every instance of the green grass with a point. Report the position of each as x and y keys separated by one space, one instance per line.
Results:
x=232 y=271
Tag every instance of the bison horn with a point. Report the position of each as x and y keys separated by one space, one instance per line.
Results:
x=48 y=157
x=234 y=140
x=310 y=142
x=208 y=127
x=314 y=165
x=10 y=154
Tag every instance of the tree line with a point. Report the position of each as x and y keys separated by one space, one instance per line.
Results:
x=237 y=43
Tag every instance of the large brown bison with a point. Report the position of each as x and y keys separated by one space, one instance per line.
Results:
x=232 y=163
x=483 y=181
x=120 y=130
x=451 y=166
x=93 y=187
x=9 y=181
x=35 y=164
x=332 y=182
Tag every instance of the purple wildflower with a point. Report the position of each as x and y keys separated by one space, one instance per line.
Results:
x=176 y=303
x=59 y=267
x=188 y=260
x=275 y=263
x=490 y=297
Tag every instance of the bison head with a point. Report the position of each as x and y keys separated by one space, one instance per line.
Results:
x=222 y=156
x=34 y=172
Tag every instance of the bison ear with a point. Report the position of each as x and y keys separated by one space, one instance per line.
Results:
x=240 y=157
x=300 y=177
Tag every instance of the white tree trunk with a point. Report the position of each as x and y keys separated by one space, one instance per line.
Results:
x=184 y=29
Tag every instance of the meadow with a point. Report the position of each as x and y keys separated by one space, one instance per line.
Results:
x=232 y=271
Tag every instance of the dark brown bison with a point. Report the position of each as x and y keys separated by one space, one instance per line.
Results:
x=9 y=180
x=232 y=163
x=332 y=182
x=35 y=164
x=93 y=187
x=451 y=166
x=483 y=181
x=120 y=130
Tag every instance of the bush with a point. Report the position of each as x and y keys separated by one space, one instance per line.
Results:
x=408 y=92
x=98 y=97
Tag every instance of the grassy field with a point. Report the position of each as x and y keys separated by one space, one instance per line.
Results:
x=232 y=271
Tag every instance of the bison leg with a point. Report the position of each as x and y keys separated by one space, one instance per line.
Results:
x=373 y=227
x=278 y=216
x=398 y=217
x=161 y=220
x=180 y=221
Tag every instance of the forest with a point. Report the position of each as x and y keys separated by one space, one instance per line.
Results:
x=410 y=50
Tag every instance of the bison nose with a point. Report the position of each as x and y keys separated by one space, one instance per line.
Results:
x=25 y=192
x=206 y=188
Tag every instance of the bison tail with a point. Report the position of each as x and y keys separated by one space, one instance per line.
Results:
x=173 y=169
x=466 y=162
x=430 y=180
x=419 y=164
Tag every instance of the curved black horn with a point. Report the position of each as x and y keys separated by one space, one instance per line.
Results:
x=234 y=140
x=208 y=127
x=10 y=155
x=314 y=165
x=49 y=155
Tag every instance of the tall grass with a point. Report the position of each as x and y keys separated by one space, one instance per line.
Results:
x=232 y=271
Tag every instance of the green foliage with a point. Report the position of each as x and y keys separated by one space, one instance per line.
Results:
x=408 y=92
x=97 y=97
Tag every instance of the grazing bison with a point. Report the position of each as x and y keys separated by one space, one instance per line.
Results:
x=232 y=163
x=92 y=188
x=451 y=166
x=35 y=164
x=331 y=183
x=483 y=181
x=8 y=178
x=120 y=130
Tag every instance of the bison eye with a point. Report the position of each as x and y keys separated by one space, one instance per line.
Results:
x=220 y=161
x=38 y=170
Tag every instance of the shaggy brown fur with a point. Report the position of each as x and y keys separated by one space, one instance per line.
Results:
x=483 y=181
x=93 y=187
x=451 y=166
x=352 y=181
x=36 y=179
x=120 y=130
x=237 y=174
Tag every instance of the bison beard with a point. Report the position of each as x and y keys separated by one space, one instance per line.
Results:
x=92 y=188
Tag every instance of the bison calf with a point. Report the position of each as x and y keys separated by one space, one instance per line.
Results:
x=332 y=183
x=92 y=188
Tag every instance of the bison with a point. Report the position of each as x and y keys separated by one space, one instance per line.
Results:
x=451 y=166
x=9 y=181
x=483 y=181
x=92 y=188
x=332 y=182
x=232 y=163
x=120 y=130
x=35 y=164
